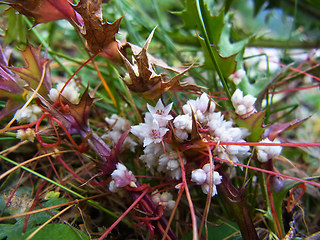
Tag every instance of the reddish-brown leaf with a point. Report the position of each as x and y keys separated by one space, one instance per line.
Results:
x=33 y=71
x=45 y=10
x=142 y=78
x=100 y=36
x=80 y=112
x=275 y=129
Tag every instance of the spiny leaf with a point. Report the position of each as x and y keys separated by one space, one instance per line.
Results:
x=33 y=71
x=228 y=48
x=81 y=111
x=100 y=36
x=142 y=78
x=227 y=64
x=218 y=32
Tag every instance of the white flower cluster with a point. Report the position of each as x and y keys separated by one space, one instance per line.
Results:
x=164 y=199
x=121 y=177
x=219 y=129
x=201 y=108
x=26 y=134
x=266 y=153
x=201 y=177
x=70 y=92
x=152 y=131
x=154 y=127
x=167 y=162
x=29 y=114
x=244 y=105
x=118 y=126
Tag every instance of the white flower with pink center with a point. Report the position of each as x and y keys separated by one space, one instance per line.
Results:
x=121 y=177
x=161 y=113
x=150 y=131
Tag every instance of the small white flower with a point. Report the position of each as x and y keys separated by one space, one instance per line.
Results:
x=183 y=122
x=223 y=131
x=150 y=131
x=29 y=114
x=199 y=176
x=170 y=163
x=268 y=152
x=121 y=177
x=118 y=123
x=112 y=187
x=161 y=113
x=237 y=76
x=201 y=104
x=70 y=92
x=151 y=155
x=243 y=105
x=199 y=107
x=164 y=199
x=202 y=177
x=27 y=134
x=182 y=134
x=173 y=165
x=119 y=126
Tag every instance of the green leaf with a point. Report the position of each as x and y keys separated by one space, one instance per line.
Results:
x=254 y=123
x=20 y=202
x=226 y=47
x=214 y=24
x=189 y=15
x=16 y=30
x=227 y=64
x=221 y=230
x=11 y=231
x=57 y=231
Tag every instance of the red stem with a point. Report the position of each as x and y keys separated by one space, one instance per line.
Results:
x=124 y=214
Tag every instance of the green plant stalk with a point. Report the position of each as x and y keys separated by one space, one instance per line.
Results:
x=268 y=213
x=236 y=202
x=259 y=43
x=200 y=6
x=66 y=189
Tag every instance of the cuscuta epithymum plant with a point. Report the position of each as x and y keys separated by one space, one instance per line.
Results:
x=187 y=146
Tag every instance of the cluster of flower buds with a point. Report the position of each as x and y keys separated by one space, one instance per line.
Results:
x=163 y=131
x=162 y=156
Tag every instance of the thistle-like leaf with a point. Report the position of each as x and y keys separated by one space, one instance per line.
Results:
x=100 y=36
x=80 y=112
x=32 y=73
x=144 y=80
